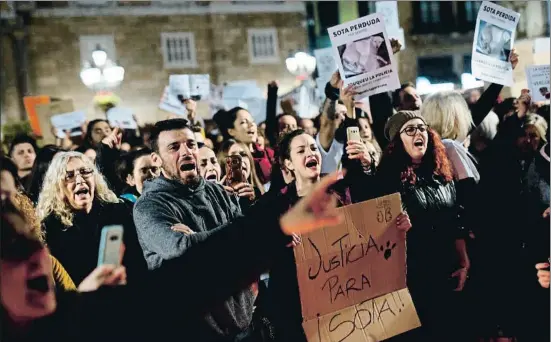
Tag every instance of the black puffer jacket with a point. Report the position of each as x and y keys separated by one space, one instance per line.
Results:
x=431 y=204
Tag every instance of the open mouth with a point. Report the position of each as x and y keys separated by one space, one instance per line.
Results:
x=187 y=166
x=82 y=193
x=419 y=143
x=211 y=177
x=251 y=132
x=39 y=284
x=312 y=163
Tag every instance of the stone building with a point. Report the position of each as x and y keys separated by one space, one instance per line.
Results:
x=439 y=35
x=230 y=40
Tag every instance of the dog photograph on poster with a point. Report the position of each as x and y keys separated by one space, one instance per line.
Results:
x=364 y=55
x=494 y=41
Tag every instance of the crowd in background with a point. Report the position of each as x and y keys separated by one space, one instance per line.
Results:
x=208 y=251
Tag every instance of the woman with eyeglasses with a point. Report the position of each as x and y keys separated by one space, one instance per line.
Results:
x=415 y=164
x=74 y=205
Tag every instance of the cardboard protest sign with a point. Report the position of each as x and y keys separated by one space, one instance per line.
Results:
x=494 y=38
x=46 y=111
x=196 y=87
x=374 y=319
x=364 y=56
x=30 y=103
x=68 y=122
x=122 y=118
x=341 y=268
x=537 y=77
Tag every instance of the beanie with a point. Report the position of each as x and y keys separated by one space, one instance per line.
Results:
x=397 y=120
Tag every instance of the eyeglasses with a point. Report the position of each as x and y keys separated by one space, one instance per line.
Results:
x=412 y=130
x=71 y=176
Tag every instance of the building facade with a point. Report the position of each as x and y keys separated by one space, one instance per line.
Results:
x=229 y=40
x=439 y=35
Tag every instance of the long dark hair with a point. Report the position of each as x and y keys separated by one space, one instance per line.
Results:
x=41 y=164
x=396 y=162
x=225 y=120
x=88 y=142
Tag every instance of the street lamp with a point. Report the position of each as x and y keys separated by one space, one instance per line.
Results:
x=301 y=65
x=101 y=73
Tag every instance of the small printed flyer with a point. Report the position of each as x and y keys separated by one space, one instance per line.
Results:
x=494 y=37
x=364 y=55
x=537 y=77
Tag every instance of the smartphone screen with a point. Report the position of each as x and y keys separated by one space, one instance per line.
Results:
x=110 y=245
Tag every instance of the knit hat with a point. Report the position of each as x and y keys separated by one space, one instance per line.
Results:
x=397 y=120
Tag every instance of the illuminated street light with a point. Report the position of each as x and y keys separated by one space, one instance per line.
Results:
x=301 y=65
x=101 y=73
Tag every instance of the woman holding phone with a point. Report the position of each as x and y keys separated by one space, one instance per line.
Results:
x=74 y=205
x=140 y=311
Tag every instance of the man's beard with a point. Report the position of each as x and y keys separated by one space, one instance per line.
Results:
x=190 y=180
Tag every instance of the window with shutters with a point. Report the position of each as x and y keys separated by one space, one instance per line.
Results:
x=263 y=46
x=178 y=50
x=366 y=8
x=431 y=17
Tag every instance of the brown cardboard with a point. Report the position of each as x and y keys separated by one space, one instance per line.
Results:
x=46 y=111
x=372 y=320
x=354 y=265
x=341 y=268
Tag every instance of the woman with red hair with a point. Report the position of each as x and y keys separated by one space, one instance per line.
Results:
x=415 y=165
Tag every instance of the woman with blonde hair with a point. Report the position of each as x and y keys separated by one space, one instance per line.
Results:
x=74 y=205
x=448 y=114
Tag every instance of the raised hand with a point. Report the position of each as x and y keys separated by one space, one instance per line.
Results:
x=315 y=211
x=395 y=45
x=109 y=275
x=513 y=58
x=114 y=139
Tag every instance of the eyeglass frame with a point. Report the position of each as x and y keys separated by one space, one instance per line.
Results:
x=89 y=172
x=416 y=129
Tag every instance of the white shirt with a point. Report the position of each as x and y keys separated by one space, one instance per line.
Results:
x=463 y=165
x=331 y=159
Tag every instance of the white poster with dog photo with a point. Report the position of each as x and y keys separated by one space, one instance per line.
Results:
x=537 y=77
x=494 y=37
x=364 y=55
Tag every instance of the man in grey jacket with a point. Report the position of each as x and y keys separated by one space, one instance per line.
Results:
x=181 y=196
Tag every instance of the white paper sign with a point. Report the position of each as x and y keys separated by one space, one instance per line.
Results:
x=364 y=55
x=189 y=86
x=537 y=77
x=494 y=37
x=171 y=104
x=68 y=122
x=325 y=62
x=121 y=117
x=389 y=10
x=257 y=108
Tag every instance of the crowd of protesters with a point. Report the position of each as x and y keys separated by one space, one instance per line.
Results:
x=199 y=238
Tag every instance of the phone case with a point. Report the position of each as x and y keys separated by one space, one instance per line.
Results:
x=236 y=169
x=353 y=134
x=110 y=245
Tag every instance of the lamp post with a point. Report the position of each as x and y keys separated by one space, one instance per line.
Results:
x=101 y=73
x=301 y=65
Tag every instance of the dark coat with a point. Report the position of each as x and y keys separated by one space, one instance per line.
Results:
x=77 y=247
